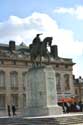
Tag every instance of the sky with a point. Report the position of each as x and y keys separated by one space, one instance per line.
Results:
x=21 y=20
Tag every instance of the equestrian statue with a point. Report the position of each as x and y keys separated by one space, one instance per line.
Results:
x=39 y=49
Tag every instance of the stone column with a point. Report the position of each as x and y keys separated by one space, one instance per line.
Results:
x=20 y=91
x=8 y=87
x=71 y=84
x=62 y=83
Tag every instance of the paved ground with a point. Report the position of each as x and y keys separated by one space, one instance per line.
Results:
x=67 y=114
x=77 y=124
x=5 y=115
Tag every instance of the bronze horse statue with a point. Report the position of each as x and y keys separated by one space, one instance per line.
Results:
x=39 y=50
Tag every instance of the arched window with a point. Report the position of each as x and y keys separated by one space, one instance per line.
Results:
x=2 y=79
x=58 y=81
x=14 y=79
x=66 y=82
x=24 y=79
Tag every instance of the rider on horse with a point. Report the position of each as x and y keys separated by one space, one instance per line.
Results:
x=37 y=40
x=38 y=48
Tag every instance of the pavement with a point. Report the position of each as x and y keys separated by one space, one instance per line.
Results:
x=18 y=113
x=77 y=124
x=61 y=115
x=5 y=114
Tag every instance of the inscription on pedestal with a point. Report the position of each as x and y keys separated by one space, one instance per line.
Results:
x=51 y=88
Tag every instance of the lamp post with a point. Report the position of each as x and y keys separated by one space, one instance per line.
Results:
x=80 y=81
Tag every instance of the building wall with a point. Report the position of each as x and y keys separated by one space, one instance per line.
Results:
x=9 y=93
x=78 y=88
x=66 y=85
x=14 y=72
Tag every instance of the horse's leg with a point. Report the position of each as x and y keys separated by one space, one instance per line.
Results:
x=40 y=56
x=33 y=58
x=48 y=57
x=40 y=60
x=32 y=61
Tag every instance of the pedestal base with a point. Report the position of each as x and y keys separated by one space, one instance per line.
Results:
x=43 y=111
x=41 y=92
x=65 y=119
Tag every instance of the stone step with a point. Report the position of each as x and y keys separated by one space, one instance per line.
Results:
x=12 y=120
x=62 y=120
x=70 y=120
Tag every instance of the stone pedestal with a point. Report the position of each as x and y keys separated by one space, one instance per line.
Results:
x=41 y=92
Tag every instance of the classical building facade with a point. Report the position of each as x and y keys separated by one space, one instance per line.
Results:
x=14 y=64
x=78 y=88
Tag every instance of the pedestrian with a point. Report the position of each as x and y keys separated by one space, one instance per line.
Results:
x=78 y=107
x=8 y=108
x=81 y=106
x=13 y=110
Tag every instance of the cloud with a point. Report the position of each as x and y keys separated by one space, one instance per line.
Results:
x=65 y=10
x=76 y=11
x=25 y=29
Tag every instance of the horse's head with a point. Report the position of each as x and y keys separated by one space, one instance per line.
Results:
x=48 y=40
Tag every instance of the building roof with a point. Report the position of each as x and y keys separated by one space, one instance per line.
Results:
x=22 y=50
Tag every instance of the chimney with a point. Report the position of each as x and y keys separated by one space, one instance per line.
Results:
x=12 y=45
x=54 y=51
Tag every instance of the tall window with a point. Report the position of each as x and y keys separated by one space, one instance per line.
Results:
x=2 y=79
x=58 y=81
x=14 y=98
x=66 y=82
x=76 y=91
x=14 y=79
x=2 y=101
x=24 y=78
x=24 y=100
